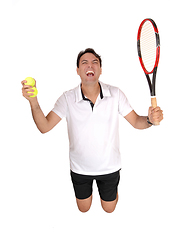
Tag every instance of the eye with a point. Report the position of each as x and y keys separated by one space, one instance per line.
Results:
x=84 y=62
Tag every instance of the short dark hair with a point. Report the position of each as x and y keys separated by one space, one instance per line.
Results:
x=88 y=50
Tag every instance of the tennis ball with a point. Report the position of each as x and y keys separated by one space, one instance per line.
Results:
x=30 y=81
x=34 y=93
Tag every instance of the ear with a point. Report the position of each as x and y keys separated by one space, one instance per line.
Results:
x=77 y=70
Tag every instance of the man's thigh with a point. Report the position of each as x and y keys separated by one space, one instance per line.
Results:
x=82 y=185
x=108 y=186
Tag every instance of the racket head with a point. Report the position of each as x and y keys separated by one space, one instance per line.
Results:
x=148 y=44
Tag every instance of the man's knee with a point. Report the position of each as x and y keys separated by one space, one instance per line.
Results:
x=85 y=204
x=109 y=209
x=83 y=209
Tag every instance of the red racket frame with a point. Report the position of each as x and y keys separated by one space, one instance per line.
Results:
x=157 y=44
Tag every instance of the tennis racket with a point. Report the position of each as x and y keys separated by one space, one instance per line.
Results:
x=148 y=44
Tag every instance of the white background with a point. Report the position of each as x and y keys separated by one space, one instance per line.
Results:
x=41 y=39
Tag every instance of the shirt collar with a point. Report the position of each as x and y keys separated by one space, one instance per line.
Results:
x=101 y=93
x=104 y=92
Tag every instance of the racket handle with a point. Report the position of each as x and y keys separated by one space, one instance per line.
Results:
x=154 y=105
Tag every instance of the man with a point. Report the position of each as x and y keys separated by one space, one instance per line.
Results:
x=92 y=110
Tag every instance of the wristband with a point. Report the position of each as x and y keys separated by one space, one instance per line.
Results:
x=149 y=121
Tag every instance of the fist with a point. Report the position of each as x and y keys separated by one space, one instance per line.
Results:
x=27 y=90
x=155 y=115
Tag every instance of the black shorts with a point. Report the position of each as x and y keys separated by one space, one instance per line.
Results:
x=107 y=185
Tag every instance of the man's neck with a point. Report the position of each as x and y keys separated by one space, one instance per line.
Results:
x=91 y=91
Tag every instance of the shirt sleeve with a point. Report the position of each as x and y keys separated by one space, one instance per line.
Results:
x=124 y=105
x=60 y=107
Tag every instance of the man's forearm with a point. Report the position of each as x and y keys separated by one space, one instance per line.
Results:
x=141 y=123
x=39 y=117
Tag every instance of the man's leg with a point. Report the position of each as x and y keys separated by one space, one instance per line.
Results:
x=83 y=190
x=85 y=204
x=108 y=190
x=109 y=207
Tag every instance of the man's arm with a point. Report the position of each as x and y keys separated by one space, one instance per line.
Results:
x=140 y=122
x=44 y=124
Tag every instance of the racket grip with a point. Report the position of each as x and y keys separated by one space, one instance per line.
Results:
x=154 y=105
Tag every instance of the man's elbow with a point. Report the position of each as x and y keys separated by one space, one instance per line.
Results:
x=43 y=131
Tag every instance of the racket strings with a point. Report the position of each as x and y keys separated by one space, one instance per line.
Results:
x=148 y=46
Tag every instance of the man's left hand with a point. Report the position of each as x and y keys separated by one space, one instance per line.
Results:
x=155 y=114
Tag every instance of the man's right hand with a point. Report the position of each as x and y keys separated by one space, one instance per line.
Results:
x=27 y=91
x=44 y=124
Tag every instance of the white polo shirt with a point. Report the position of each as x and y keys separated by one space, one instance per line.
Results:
x=93 y=132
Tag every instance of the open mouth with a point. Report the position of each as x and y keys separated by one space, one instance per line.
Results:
x=90 y=73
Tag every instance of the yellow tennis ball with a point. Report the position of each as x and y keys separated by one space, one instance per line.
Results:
x=34 y=93
x=30 y=81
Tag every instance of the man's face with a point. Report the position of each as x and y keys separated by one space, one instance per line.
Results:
x=89 y=69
